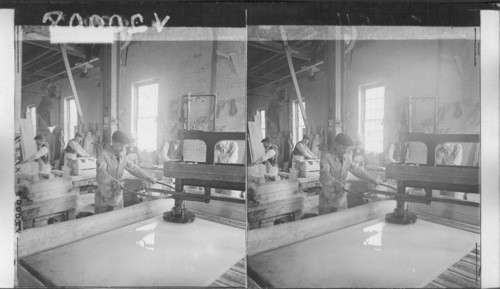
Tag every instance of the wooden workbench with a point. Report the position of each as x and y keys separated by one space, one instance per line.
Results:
x=132 y=247
x=81 y=181
x=357 y=248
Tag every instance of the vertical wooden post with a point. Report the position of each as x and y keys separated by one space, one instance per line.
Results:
x=339 y=75
x=19 y=69
x=330 y=87
x=115 y=85
x=72 y=83
x=294 y=77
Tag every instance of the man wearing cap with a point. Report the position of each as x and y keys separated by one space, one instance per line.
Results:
x=74 y=149
x=302 y=151
x=358 y=153
x=333 y=172
x=270 y=158
x=42 y=156
x=111 y=164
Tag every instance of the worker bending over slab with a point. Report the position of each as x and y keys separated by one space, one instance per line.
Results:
x=111 y=164
x=270 y=158
x=74 y=149
x=42 y=155
x=333 y=172
x=302 y=151
x=449 y=154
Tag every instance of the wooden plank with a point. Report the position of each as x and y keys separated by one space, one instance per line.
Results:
x=27 y=205
x=273 y=196
x=31 y=217
x=276 y=186
x=276 y=210
x=224 y=173
x=71 y=50
x=460 y=281
x=46 y=185
x=275 y=47
x=28 y=144
x=232 y=279
x=254 y=140
x=52 y=194
x=452 y=212
x=72 y=83
x=263 y=240
x=44 y=238
x=25 y=279
x=459 y=175
x=309 y=165
x=228 y=210
x=314 y=175
x=252 y=207
x=294 y=77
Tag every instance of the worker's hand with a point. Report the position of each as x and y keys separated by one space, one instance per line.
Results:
x=338 y=187
x=373 y=183
x=152 y=180
x=116 y=185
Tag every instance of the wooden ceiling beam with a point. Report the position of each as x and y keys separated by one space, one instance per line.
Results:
x=70 y=49
x=278 y=48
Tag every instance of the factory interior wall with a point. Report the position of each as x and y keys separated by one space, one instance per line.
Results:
x=405 y=68
x=278 y=102
x=411 y=68
x=89 y=94
x=183 y=67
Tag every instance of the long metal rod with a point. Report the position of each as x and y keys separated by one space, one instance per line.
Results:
x=409 y=198
x=302 y=70
x=197 y=197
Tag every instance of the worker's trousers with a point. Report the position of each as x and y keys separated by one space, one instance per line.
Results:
x=108 y=202
x=331 y=200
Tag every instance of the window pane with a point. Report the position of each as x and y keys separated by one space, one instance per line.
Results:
x=373 y=122
x=147 y=100
x=147 y=111
x=146 y=133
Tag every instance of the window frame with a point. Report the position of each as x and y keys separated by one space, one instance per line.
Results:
x=33 y=113
x=135 y=107
x=262 y=121
x=362 y=113
x=67 y=118
x=296 y=116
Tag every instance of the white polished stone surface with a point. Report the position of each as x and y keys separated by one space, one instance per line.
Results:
x=371 y=254
x=149 y=253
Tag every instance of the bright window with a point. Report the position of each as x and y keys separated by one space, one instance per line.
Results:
x=145 y=109
x=298 y=121
x=372 y=117
x=70 y=118
x=31 y=114
x=262 y=118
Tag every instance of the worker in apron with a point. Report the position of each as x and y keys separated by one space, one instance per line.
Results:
x=42 y=156
x=111 y=164
x=334 y=165
x=302 y=151
x=74 y=149
x=270 y=158
x=449 y=154
x=226 y=152
x=358 y=153
x=132 y=152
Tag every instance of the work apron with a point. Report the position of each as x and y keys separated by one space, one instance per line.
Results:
x=43 y=167
x=106 y=199
x=295 y=159
x=331 y=200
